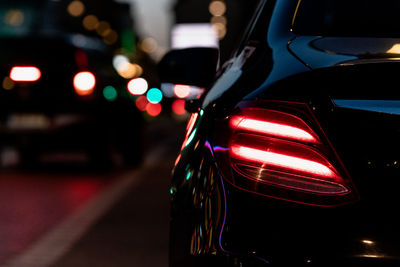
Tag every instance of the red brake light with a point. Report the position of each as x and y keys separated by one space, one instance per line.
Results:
x=84 y=83
x=280 y=160
x=277 y=124
x=25 y=74
x=279 y=150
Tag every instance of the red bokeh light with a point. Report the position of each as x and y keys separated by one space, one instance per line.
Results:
x=141 y=103
x=178 y=107
x=153 y=109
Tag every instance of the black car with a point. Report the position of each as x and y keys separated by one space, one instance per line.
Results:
x=292 y=156
x=59 y=90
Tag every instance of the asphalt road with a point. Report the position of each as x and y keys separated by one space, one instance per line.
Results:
x=66 y=217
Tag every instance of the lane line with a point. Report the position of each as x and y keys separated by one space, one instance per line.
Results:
x=58 y=241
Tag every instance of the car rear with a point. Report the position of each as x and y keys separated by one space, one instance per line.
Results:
x=325 y=199
x=52 y=96
x=330 y=199
x=38 y=83
x=306 y=166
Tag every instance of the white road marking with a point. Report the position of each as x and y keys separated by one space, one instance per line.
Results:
x=58 y=241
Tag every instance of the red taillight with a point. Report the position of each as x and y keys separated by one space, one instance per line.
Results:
x=279 y=150
x=301 y=165
x=25 y=74
x=276 y=124
x=84 y=83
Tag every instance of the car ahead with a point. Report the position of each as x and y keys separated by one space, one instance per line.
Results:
x=59 y=90
x=292 y=156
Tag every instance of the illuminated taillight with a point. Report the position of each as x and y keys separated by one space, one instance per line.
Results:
x=25 y=74
x=279 y=150
x=84 y=83
x=304 y=166
x=277 y=124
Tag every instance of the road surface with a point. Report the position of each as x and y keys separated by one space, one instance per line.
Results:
x=69 y=216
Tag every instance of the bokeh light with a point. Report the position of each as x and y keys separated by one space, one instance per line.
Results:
x=84 y=83
x=149 y=45
x=128 y=42
x=141 y=103
x=103 y=27
x=221 y=30
x=154 y=95
x=137 y=86
x=119 y=61
x=8 y=84
x=153 y=109
x=178 y=107
x=90 y=22
x=110 y=93
x=14 y=17
x=182 y=91
x=139 y=70
x=125 y=68
x=25 y=74
x=131 y=71
x=76 y=8
x=217 y=8
x=219 y=19
x=110 y=37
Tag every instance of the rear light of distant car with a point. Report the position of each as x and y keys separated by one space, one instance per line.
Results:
x=279 y=150
x=25 y=74
x=84 y=83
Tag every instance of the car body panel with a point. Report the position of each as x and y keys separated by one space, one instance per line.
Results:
x=249 y=229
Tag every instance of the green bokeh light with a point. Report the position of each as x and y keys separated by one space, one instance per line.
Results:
x=110 y=93
x=128 y=42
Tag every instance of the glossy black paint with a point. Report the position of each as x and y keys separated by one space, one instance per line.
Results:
x=214 y=223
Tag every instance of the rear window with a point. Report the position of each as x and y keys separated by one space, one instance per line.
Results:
x=358 y=18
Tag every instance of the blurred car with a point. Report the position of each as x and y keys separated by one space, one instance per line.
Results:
x=291 y=158
x=59 y=87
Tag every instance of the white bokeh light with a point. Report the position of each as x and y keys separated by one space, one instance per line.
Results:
x=138 y=86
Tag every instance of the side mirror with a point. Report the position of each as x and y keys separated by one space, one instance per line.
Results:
x=190 y=66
